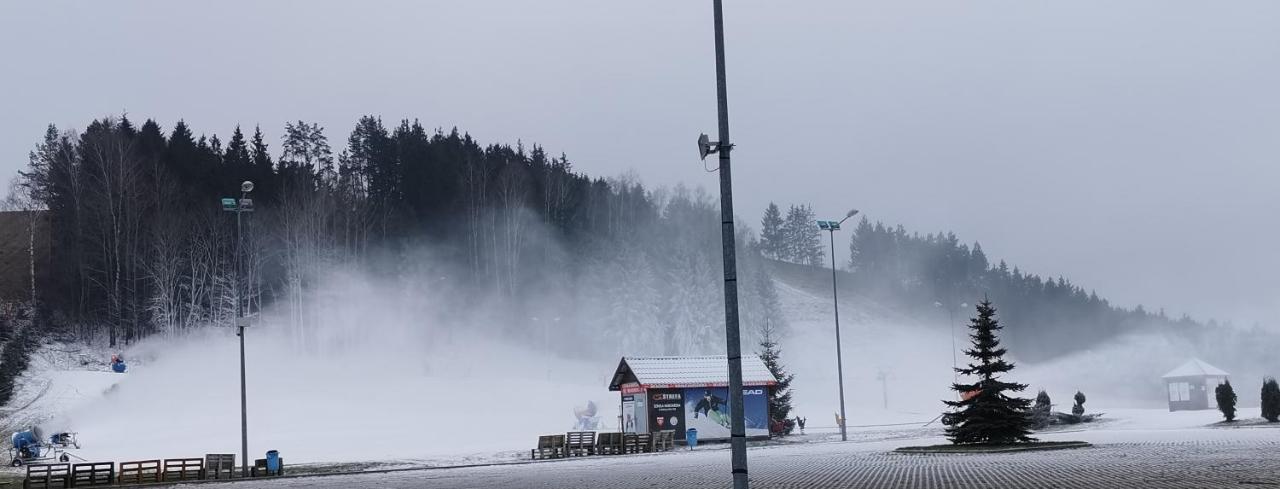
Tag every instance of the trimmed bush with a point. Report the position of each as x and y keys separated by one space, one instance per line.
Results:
x=1270 y=399
x=1226 y=400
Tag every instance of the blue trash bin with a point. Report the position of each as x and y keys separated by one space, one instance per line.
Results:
x=691 y=437
x=273 y=462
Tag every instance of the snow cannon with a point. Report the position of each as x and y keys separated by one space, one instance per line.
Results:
x=26 y=444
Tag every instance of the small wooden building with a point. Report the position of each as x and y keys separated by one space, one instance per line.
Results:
x=1191 y=386
x=678 y=393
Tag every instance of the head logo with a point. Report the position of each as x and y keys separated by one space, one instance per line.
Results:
x=753 y=392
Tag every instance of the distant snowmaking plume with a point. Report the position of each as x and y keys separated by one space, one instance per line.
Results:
x=393 y=372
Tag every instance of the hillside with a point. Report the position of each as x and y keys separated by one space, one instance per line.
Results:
x=912 y=347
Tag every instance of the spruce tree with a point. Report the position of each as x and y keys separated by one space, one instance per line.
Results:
x=772 y=241
x=779 y=394
x=1226 y=400
x=1078 y=408
x=986 y=414
x=1270 y=399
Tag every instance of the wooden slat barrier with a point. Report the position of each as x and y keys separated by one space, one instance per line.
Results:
x=93 y=474
x=580 y=443
x=183 y=469
x=139 y=472
x=219 y=465
x=47 y=475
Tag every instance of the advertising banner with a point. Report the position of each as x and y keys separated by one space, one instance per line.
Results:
x=667 y=411
x=707 y=410
x=628 y=414
x=641 y=414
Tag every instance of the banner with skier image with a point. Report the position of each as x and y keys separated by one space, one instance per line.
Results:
x=707 y=410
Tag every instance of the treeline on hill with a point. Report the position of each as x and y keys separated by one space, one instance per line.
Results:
x=1045 y=317
x=142 y=246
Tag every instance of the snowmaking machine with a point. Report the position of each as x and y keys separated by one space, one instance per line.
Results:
x=30 y=446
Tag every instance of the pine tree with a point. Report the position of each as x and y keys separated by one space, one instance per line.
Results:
x=237 y=156
x=772 y=241
x=986 y=414
x=1270 y=399
x=1226 y=400
x=803 y=243
x=779 y=394
x=1078 y=408
x=263 y=170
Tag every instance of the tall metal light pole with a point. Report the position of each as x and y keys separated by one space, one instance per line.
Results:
x=240 y=206
x=737 y=430
x=831 y=227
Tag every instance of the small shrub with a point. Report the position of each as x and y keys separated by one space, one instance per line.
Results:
x=1040 y=415
x=1270 y=399
x=1078 y=408
x=1226 y=400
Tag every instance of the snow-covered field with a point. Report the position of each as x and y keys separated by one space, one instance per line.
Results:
x=392 y=396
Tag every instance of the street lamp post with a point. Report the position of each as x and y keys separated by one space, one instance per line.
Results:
x=733 y=343
x=240 y=206
x=831 y=227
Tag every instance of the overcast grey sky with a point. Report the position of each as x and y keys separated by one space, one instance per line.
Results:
x=1130 y=146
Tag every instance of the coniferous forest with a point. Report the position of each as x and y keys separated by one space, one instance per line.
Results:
x=141 y=245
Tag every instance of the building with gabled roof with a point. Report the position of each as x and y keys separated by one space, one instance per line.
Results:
x=679 y=393
x=1191 y=385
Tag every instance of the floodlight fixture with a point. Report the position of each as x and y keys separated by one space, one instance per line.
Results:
x=246 y=187
x=704 y=146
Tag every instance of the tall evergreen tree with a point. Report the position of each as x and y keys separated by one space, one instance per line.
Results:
x=1226 y=400
x=803 y=242
x=262 y=169
x=986 y=414
x=772 y=241
x=779 y=394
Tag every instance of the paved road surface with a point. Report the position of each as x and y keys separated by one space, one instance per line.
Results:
x=1250 y=460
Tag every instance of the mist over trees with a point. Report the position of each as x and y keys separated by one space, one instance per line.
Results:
x=141 y=245
x=1053 y=316
x=795 y=239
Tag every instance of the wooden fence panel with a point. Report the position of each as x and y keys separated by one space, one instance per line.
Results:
x=93 y=474
x=139 y=472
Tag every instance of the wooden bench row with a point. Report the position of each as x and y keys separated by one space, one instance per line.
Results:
x=583 y=443
x=91 y=474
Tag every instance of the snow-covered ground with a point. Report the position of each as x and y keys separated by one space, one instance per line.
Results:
x=60 y=378
x=394 y=396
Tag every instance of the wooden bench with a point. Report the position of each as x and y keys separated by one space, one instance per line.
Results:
x=609 y=444
x=637 y=443
x=47 y=475
x=580 y=443
x=139 y=472
x=219 y=465
x=183 y=469
x=549 y=446
x=93 y=474
x=664 y=441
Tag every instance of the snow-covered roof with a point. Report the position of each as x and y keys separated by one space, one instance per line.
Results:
x=701 y=371
x=1196 y=368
